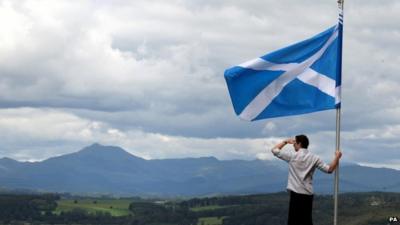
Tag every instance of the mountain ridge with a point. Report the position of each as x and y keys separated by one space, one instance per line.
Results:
x=112 y=170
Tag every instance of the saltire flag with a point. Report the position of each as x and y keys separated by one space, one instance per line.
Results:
x=302 y=78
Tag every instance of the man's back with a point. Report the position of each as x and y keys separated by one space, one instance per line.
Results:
x=301 y=169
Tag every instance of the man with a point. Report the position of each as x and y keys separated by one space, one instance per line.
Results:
x=302 y=164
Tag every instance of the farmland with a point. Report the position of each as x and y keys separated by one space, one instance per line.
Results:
x=355 y=209
x=115 y=207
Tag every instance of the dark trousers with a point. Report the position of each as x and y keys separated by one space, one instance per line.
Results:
x=300 y=209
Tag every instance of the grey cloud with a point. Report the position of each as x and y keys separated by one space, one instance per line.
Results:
x=218 y=122
x=157 y=66
x=74 y=80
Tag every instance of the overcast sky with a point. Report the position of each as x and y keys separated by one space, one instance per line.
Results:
x=148 y=76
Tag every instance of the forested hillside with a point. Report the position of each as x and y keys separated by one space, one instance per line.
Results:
x=375 y=208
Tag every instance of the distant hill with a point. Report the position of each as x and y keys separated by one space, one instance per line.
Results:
x=99 y=169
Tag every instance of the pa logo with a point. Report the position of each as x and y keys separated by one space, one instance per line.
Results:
x=393 y=219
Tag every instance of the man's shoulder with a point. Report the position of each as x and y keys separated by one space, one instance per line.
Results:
x=311 y=154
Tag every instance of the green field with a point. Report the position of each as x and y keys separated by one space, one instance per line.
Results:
x=210 y=221
x=116 y=207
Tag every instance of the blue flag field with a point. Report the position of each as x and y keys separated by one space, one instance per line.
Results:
x=302 y=78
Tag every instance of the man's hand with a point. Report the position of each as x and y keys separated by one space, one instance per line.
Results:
x=335 y=162
x=338 y=154
x=290 y=141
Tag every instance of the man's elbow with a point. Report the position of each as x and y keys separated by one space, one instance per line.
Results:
x=331 y=169
x=275 y=151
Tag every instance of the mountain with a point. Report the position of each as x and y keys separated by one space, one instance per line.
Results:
x=99 y=169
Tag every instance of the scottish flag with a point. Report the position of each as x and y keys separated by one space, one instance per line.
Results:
x=301 y=78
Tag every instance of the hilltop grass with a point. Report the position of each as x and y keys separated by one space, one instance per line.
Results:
x=116 y=207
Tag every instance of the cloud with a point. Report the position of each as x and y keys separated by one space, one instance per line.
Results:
x=96 y=59
x=35 y=134
x=152 y=69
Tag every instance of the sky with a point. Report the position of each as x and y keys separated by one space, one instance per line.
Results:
x=147 y=75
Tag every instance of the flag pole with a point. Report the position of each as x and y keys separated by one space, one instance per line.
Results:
x=338 y=111
x=336 y=186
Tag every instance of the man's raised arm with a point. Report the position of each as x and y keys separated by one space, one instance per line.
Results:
x=282 y=144
x=276 y=150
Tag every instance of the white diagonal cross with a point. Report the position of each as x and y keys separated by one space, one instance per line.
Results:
x=302 y=71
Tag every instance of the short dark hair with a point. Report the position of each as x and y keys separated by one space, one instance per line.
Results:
x=303 y=140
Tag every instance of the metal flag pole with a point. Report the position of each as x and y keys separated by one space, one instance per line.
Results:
x=338 y=111
x=336 y=186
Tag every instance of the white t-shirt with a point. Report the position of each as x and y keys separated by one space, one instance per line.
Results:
x=302 y=165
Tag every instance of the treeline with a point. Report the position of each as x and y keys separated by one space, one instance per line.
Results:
x=26 y=207
x=355 y=209
x=237 y=200
x=40 y=209
x=249 y=210
x=151 y=213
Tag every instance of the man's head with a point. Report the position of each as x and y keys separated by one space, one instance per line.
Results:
x=301 y=142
